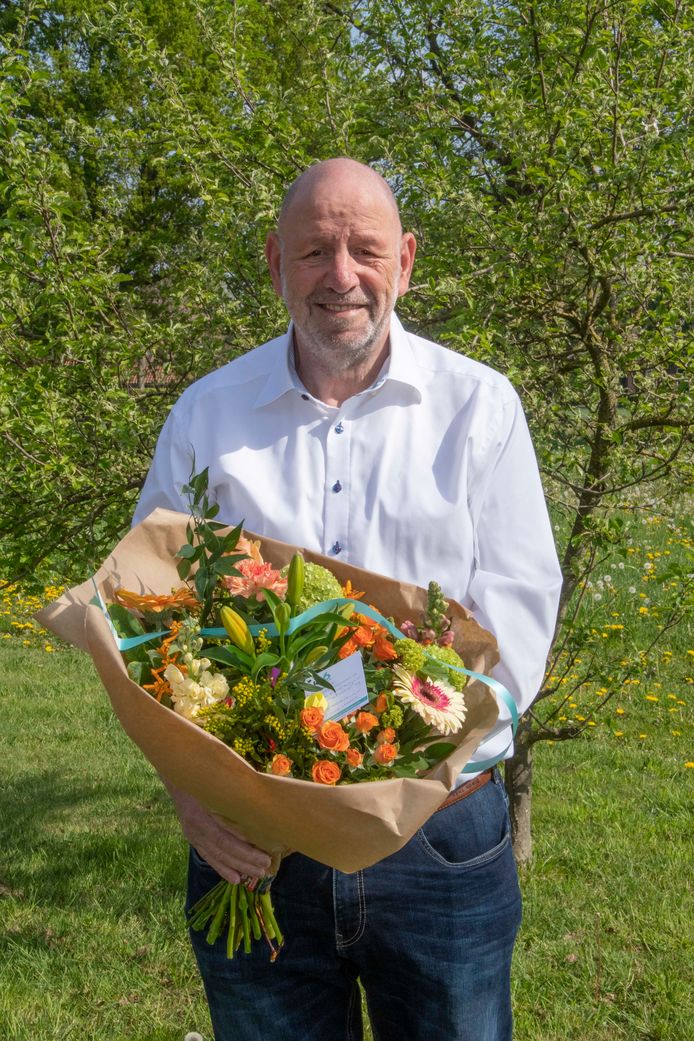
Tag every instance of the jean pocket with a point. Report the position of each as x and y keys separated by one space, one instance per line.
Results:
x=469 y=834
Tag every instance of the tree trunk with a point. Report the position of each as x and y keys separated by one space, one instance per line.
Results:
x=518 y=777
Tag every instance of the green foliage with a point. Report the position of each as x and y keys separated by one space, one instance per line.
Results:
x=539 y=151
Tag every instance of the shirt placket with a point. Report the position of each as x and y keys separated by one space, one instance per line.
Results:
x=336 y=492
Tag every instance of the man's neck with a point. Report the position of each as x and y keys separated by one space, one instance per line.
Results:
x=334 y=387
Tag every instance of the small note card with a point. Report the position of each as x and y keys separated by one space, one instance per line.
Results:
x=348 y=679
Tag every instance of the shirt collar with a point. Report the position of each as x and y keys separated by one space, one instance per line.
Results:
x=400 y=367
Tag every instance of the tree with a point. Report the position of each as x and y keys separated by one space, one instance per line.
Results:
x=539 y=150
x=546 y=168
x=145 y=148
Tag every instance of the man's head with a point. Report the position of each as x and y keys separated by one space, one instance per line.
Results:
x=340 y=260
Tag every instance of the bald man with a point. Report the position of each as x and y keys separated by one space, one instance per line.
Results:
x=352 y=437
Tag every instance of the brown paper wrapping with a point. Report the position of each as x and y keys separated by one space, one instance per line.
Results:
x=348 y=826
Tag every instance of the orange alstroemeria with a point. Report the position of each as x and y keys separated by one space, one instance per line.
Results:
x=178 y=599
x=369 y=634
x=383 y=649
x=351 y=593
x=161 y=686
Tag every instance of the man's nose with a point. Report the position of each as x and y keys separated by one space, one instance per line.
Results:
x=342 y=272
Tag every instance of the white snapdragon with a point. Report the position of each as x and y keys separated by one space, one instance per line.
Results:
x=195 y=689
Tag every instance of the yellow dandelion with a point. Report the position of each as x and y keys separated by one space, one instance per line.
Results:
x=651 y=697
x=619 y=711
x=676 y=733
x=689 y=766
x=642 y=737
x=619 y=733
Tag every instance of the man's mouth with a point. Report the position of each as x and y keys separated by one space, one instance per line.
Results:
x=343 y=305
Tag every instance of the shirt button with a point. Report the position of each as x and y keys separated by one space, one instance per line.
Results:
x=337 y=487
x=336 y=548
x=304 y=397
x=339 y=428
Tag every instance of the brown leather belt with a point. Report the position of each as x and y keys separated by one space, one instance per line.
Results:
x=463 y=790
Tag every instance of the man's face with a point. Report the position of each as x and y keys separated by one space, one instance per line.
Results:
x=340 y=262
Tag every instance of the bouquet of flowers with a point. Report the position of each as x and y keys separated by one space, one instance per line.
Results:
x=301 y=680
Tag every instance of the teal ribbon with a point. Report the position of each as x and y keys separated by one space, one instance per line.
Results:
x=127 y=643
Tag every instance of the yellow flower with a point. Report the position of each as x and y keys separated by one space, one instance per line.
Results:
x=619 y=711
x=316 y=701
x=651 y=697
x=619 y=733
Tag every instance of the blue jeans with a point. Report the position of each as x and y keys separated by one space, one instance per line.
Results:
x=429 y=932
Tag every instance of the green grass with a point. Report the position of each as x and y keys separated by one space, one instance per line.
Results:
x=92 y=865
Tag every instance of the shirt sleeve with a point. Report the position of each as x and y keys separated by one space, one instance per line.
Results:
x=172 y=467
x=517 y=579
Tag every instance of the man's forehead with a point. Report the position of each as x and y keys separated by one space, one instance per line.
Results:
x=339 y=190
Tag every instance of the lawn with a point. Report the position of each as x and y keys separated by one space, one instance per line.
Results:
x=92 y=869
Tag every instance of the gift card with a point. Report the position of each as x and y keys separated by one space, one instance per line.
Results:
x=349 y=682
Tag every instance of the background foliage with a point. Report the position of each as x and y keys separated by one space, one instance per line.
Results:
x=539 y=151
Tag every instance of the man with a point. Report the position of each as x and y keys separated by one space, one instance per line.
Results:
x=354 y=438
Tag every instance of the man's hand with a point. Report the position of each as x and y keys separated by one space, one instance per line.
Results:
x=223 y=848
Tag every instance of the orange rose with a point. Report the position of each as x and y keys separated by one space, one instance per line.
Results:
x=354 y=757
x=331 y=735
x=386 y=736
x=383 y=649
x=381 y=703
x=311 y=718
x=324 y=771
x=385 y=753
x=281 y=765
x=365 y=721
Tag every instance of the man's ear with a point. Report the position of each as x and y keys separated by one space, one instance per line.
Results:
x=408 y=248
x=273 y=255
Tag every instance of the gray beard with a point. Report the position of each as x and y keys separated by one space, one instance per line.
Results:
x=337 y=354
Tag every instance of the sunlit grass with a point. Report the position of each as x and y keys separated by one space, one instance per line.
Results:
x=92 y=871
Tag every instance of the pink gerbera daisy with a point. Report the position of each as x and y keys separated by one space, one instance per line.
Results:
x=439 y=704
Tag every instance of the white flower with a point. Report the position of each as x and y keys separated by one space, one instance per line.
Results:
x=190 y=693
x=439 y=704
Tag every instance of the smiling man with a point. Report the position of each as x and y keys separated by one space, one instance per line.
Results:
x=340 y=261
x=350 y=436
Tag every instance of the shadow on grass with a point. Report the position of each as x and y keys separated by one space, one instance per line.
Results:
x=67 y=840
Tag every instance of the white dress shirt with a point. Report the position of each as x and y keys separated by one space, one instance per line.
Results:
x=428 y=474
